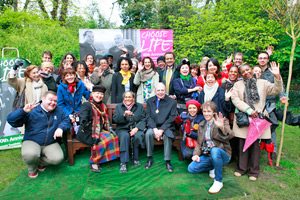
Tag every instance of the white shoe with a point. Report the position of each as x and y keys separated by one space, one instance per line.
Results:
x=211 y=174
x=216 y=187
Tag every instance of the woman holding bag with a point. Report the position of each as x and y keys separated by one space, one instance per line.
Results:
x=249 y=96
x=189 y=125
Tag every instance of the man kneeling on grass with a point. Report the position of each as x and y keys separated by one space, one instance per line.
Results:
x=44 y=122
x=213 y=150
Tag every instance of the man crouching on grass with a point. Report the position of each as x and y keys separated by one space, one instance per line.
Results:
x=44 y=122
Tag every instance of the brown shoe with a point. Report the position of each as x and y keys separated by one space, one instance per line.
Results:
x=273 y=156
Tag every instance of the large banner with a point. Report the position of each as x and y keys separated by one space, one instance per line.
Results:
x=9 y=137
x=135 y=43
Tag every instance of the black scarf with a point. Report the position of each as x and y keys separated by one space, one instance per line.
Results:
x=251 y=95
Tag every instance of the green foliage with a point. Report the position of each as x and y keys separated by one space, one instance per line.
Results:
x=218 y=31
x=32 y=34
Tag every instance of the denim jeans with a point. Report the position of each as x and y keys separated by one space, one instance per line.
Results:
x=216 y=161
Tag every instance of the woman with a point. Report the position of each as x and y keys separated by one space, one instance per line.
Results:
x=189 y=127
x=249 y=96
x=185 y=86
x=195 y=71
x=82 y=72
x=69 y=92
x=94 y=130
x=103 y=75
x=32 y=84
x=146 y=78
x=46 y=74
x=213 y=150
x=122 y=80
x=212 y=92
x=135 y=64
x=68 y=61
x=214 y=66
x=91 y=64
x=130 y=119
x=201 y=80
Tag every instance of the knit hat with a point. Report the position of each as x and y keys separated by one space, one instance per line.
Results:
x=161 y=58
x=99 y=88
x=194 y=102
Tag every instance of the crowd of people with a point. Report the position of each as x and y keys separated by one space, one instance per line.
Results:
x=200 y=100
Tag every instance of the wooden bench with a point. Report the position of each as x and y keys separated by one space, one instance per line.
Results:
x=74 y=145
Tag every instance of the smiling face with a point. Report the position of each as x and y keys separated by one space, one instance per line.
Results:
x=208 y=114
x=192 y=109
x=103 y=64
x=233 y=73
x=161 y=64
x=212 y=67
x=160 y=90
x=124 y=65
x=246 y=72
x=202 y=69
x=89 y=60
x=194 y=72
x=263 y=59
x=147 y=63
x=70 y=78
x=69 y=59
x=46 y=58
x=34 y=74
x=238 y=60
x=128 y=98
x=48 y=70
x=184 y=70
x=49 y=102
x=169 y=58
x=97 y=96
x=81 y=70
x=257 y=71
x=210 y=80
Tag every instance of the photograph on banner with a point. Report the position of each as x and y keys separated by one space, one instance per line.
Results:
x=10 y=137
x=132 y=43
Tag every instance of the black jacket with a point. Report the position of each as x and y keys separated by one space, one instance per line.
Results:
x=117 y=89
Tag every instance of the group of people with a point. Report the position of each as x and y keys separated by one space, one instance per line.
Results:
x=201 y=100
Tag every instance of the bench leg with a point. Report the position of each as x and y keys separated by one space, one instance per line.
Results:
x=70 y=153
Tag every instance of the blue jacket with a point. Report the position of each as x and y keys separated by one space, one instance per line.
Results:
x=181 y=89
x=219 y=99
x=37 y=126
x=65 y=97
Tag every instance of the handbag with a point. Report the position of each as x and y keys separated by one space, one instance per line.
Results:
x=190 y=142
x=242 y=119
x=19 y=100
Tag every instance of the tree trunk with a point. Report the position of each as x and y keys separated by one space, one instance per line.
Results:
x=15 y=5
x=64 y=11
x=26 y=5
x=43 y=9
x=54 y=10
x=286 y=101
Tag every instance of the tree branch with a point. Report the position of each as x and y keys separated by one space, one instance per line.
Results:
x=43 y=9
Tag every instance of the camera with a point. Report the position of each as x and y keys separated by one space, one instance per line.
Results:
x=206 y=151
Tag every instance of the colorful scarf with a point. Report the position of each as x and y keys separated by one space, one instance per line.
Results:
x=91 y=68
x=100 y=119
x=147 y=74
x=125 y=80
x=71 y=87
x=129 y=106
x=187 y=78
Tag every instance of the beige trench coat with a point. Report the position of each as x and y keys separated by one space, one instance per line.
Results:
x=265 y=88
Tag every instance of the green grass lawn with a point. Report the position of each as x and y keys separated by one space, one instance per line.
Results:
x=281 y=182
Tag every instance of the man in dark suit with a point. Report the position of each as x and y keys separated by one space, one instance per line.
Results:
x=169 y=73
x=160 y=114
x=87 y=46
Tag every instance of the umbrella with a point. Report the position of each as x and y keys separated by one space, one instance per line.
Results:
x=256 y=128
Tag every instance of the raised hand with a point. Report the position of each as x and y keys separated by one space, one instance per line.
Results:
x=229 y=59
x=219 y=120
x=228 y=94
x=270 y=50
x=275 y=70
x=140 y=67
x=29 y=107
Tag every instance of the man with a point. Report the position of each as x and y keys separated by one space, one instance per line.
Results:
x=44 y=122
x=161 y=64
x=263 y=60
x=120 y=49
x=169 y=73
x=110 y=59
x=160 y=114
x=238 y=60
x=47 y=57
x=87 y=46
